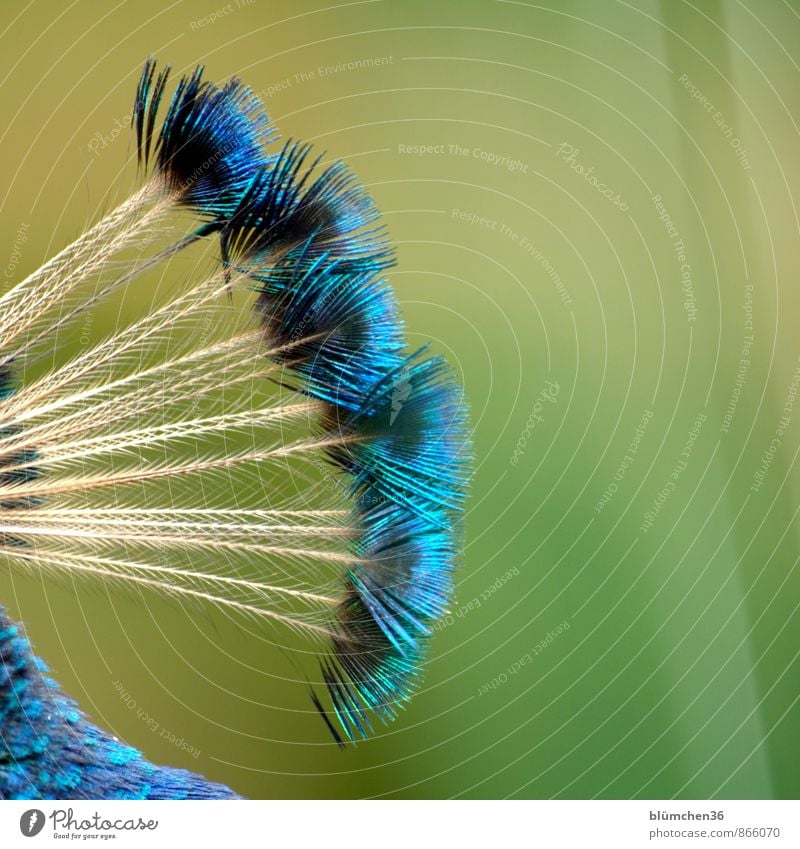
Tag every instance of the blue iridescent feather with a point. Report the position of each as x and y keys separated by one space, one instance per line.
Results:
x=338 y=330
x=397 y=426
x=296 y=212
x=210 y=145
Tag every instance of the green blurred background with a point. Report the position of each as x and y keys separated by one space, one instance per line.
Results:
x=594 y=205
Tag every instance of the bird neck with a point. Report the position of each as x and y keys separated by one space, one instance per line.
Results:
x=49 y=749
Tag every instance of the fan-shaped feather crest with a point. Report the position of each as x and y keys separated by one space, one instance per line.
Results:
x=300 y=213
x=211 y=143
x=156 y=457
x=394 y=424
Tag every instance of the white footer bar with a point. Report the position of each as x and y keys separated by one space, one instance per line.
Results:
x=404 y=825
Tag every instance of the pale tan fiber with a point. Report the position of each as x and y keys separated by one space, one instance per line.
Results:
x=139 y=474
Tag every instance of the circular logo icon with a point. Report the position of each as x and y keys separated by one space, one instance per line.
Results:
x=31 y=822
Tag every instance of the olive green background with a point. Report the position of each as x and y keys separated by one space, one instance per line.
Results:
x=591 y=651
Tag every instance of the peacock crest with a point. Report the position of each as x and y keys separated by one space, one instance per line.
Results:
x=273 y=348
